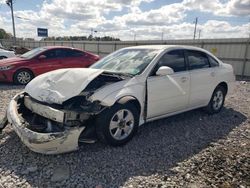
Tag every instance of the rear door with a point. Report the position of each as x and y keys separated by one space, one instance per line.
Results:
x=74 y=59
x=202 y=76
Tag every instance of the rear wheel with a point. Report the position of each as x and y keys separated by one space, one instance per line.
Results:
x=23 y=77
x=217 y=101
x=117 y=125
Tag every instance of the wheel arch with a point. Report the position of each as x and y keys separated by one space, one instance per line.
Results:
x=20 y=69
x=102 y=121
x=224 y=85
x=128 y=99
x=23 y=68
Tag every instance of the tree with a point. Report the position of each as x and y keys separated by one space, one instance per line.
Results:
x=81 y=38
x=4 y=34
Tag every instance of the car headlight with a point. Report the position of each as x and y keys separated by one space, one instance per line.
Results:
x=6 y=68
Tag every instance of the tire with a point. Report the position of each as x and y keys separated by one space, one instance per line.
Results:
x=216 y=102
x=3 y=57
x=23 y=77
x=120 y=131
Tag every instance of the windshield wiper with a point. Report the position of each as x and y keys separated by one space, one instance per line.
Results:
x=127 y=74
x=120 y=74
x=123 y=74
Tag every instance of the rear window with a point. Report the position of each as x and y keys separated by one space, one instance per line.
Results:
x=197 y=60
x=213 y=62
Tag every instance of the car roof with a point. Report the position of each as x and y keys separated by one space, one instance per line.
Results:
x=156 y=47
x=56 y=47
x=165 y=47
x=172 y=47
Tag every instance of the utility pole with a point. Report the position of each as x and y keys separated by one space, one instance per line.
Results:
x=199 y=33
x=196 y=21
x=162 y=35
x=249 y=28
x=10 y=4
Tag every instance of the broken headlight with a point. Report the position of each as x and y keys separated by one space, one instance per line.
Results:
x=6 y=68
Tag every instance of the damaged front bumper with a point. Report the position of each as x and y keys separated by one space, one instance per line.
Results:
x=46 y=143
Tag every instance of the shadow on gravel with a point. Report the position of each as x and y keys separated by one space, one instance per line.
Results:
x=156 y=148
x=10 y=86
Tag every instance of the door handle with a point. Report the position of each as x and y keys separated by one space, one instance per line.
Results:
x=183 y=79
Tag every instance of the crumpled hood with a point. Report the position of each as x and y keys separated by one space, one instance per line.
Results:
x=61 y=85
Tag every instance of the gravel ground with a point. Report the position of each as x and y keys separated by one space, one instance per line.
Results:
x=192 y=149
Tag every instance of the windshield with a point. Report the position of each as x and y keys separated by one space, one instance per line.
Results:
x=32 y=53
x=127 y=61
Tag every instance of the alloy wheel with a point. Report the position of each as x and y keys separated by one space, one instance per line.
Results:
x=218 y=100
x=121 y=124
x=23 y=77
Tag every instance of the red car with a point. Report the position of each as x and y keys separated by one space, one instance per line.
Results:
x=22 y=69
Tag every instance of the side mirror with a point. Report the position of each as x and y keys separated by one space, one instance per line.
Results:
x=164 y=70
x=42 y=57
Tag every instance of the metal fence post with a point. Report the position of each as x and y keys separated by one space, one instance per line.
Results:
x=83 y=45
x=245 y=58
x=115 y=46
x=98 y=48
x=202 y=44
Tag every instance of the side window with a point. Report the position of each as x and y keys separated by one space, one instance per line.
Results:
x=197 y=60
x=50 y=54
x=213 y=62
x=77 y=53
x=64 y=53
x=55 y=53
x=173 y=59
x=72 y=53
x=60 y=53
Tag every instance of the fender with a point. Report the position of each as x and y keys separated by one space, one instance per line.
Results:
x=126 y=99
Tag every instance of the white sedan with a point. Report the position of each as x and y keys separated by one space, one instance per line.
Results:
x=6 y=54
x=117 y=94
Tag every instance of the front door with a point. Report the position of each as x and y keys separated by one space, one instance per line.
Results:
x=167 y=94
x=49 y=62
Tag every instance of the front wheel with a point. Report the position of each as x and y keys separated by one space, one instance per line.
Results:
x=23 y=77
x=217 y=100
x=117 y=125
